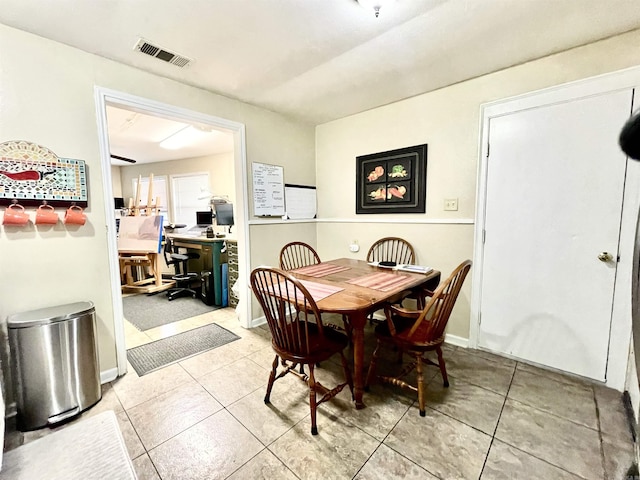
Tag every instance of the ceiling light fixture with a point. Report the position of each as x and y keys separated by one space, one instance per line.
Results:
x=375 y=5
x=185 y=137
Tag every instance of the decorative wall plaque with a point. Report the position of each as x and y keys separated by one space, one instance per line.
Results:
x=32 y=174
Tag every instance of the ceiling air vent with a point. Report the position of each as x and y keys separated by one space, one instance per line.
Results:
x=162 y=54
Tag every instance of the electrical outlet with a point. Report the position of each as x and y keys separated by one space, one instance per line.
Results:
x=451 y=204
x=354 y=247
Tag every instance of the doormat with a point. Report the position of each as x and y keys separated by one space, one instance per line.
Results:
x=150 y=311
x=161 y=353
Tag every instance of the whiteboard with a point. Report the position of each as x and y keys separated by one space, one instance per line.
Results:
x=268 y=189
x=300 y=201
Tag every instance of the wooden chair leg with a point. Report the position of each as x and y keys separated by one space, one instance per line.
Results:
x=312 y=399
x=347 y=374
x=272 y=378
x=372 y=366
x=443 y=368
x=420 y=384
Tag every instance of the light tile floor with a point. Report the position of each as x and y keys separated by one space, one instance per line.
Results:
x=204 y=418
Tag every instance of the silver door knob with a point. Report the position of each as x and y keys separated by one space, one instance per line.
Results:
x=605 y=257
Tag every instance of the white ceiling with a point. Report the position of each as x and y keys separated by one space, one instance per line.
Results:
x=319 y=60
x=137 y=136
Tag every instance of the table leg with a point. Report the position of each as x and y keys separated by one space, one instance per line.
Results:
x=358 y=321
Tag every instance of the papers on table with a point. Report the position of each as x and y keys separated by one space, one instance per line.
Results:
x=405 y=267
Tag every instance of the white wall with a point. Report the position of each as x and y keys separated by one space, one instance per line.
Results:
x=47 y=97
x=448 y=121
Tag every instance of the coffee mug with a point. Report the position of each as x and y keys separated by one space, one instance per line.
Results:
x=15 y=215
x=75 y=216
x=46 y=215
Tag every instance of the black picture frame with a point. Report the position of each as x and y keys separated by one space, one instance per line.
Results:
x=393 y=181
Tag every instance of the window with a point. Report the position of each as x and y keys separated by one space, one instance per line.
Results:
x=190 y=193
x=159 y=192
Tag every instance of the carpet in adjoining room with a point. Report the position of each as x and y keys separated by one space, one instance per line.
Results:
x=161 y=353
x=150 y=311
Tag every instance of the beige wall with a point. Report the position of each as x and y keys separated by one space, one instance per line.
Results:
x=448 y=121
x=47 y=97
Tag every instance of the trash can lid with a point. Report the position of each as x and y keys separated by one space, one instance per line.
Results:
x=48 y=315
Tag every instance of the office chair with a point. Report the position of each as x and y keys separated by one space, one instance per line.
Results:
x=184 y=280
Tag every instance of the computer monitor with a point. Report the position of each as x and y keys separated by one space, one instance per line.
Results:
x=224 y=214
x=204 y=218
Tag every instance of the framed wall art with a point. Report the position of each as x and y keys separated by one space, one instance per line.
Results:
x=393 y=181
x=32 y=174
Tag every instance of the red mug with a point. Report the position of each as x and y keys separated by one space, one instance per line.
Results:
x=75 y=216
x=46 y=215
x=15 y=215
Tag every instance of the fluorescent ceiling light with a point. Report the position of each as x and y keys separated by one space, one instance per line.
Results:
x=184 y=137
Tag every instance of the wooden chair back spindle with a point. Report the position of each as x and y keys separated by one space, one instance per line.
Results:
x=297 y=255
x=392 y=249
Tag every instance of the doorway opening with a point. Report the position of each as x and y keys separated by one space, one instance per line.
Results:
x=106 y=99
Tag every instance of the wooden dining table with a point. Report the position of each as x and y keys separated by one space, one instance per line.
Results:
x=361 y=290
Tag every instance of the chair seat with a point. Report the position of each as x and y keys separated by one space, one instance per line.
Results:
x=322 y=346
x=403 y=325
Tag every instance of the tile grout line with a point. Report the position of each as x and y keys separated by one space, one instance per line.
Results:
x=602 y=458
x=519 y=449
x=393 y=449
x=495 y=430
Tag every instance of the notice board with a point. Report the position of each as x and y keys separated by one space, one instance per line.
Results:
x=268 y=190
x=300 y=201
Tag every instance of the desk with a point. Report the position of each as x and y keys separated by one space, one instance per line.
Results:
x=210 y=250
x=357 y=302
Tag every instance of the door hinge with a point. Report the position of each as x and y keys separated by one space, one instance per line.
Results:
x=484 y=236
x=488 y=148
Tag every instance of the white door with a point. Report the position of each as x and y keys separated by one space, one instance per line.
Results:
x=554 y=190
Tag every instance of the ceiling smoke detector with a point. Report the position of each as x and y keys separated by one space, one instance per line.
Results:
x=160 y=53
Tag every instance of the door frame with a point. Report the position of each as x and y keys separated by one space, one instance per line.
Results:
x=125 y=100
x=620 y=328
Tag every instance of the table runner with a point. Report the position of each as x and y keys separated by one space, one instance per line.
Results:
x=381 y=281
x=320 y=269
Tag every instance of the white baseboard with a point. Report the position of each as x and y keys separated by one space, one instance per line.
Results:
x=457 y=341
x=256 y=322
x=107 y=376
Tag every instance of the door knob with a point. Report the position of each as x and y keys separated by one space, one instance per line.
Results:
x=605 y=257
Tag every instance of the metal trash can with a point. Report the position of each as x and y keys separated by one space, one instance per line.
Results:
x=54 y=365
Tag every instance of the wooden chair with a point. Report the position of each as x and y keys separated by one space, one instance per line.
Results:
x=418 y=332
x=398 y=250
x=298 y=335
x=392 y=249
x=297 y=255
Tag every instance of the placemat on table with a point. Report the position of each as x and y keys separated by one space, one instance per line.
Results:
x=381 y=281
x=320 y=269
